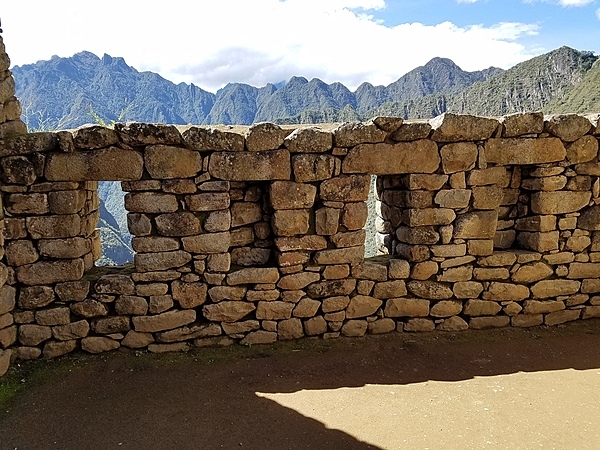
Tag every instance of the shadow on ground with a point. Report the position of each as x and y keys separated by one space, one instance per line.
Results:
x=199 y=401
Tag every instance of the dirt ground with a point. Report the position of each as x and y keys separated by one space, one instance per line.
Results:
x=509 y=388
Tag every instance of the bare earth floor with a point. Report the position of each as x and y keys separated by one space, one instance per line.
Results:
x=499 y=389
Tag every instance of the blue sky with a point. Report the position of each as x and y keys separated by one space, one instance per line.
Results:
x=211 y=43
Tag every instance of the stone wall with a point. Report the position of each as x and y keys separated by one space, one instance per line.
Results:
x=10 y=123
x=256 y=235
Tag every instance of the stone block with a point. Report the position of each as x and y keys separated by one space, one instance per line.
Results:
x=430 y=290
x=498 y=291
x=482 y=323
x=18 y=170
x=476 y=225
x=31 y=204
x=406 y=307
x=568 y=127
x=291 y=195
x=255 y=275
x=309 y=243
x=583 y=150
x=309 y=140
x=206 y=138
x=350 y=255
x=327 y=221
x=131 y=305
x=418 y=235
x=331 y=288
x=151 y=202
x=20 y=252
x=312 y=167
x=298 y=280
x=290 y=222
x=453 y=198
x=50 y=272
x=110 y=164
x=354 y=328
x=354 y=215
x=428 y=216
x=362 y=306
x=32 y=335
x=539 y=242
x=514 y=151
x=351 y=134
x=458 y=157
x=492 y=175
x=346 y=188
x=183 y=223
x=150 y=262
x=75 y=247
x=96 y=344
x=481 y=308
x=250 y=166
x=274 y=310
x=419 y=156
x=49 y=227
x=207 y=243
x=208 y=201
x=531 y=273
x=54 y=316
x=523 y=321
x=559 y=202
x=165 y=162
x=89 y=309
x=165 y=321
x=523 y=123
x=66 y=202
x=450 y=127
x=559 y=317
x=536 y=223
x=542 y=307
x=487 y=197
x=189 y=295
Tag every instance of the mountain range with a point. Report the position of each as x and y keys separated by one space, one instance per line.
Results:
x=64 y=93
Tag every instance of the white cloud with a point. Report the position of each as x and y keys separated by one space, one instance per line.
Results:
x=598 y=13
x=212 y=43
x=466 y=1
x=576 y=3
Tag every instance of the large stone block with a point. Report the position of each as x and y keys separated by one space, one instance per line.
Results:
x=453 y=128
x=138 y=134
x=430 y=290
x=539 y=242
x=554 y=288
x=163 y=162
x=346 y=188
x=559 y=202
x=165 y=321
x=331 y=288
x=582 y=150
x=312 y=167
x=523 y=123
x=254 y=275
x=204 y=139
x=151 y=202
x=150 y=262
x=251 y=166
x=208 y=201
x=389 y=159
x=227 y=311
x=49 y=272
x=264 y=136
x=354 y=133
x=207 y=243
x=524 y=151
x=362 y=306
x=92 y=137
x=189 y=295
x=506 y=292
x=60 y=226
x=291 y=222
x=428 y=216
x=458 y=157
x=568 y=127
x=65 y=248
x=110 y=164
x=476 y=225
x=406 y=307
x=309 y=140
x=290 y=195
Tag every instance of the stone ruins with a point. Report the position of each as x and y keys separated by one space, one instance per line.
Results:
x=257 y=235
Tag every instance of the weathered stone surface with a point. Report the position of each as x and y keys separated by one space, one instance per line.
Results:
x=452 y=128
x=370 y=271
x=568 y=127
x=137 y=134
x=189 y=332
x=249 y=256
x=264 y=136
x=220 y=293
x=54 y=316
x=406 y=307
x=291 y=195
x=306 y=308
x=553 y=183
x=164 y=162
x=290 y=329
x=418 y=235
x=351 y=255
x=89 y=308
x=64 y=248
x=491 y=274
x=527 y=320
x=5 y=357
x=227 y=311
x=476 y=225
x=539 y=242
x=110 y=325
x=74 y=330
x=454 y=198
x=111 y=164
x=291 y=222
x=390 y=289
x=505 y=291
x=206 y=138
x=362 y=306
x=381 y=326
x=428 y=216
x=189 y=295
x=208 y=201
x=559 y=317
x=411 y=131
x=31 y=204
x=60 y=226
x=487 y=197
x=481 y=308
x=458 y=157
x=311 y=243
x=354 y=328
x=590 y=219
x=298 y=280
x=240 y=327
x=274 y=310
x=164 y=321
x=18 y=170
x=542 y=307
x=446 y=308
x=250 y=166
x=55 y=349
x=315 y=326
x=253 y=275
x=74 y=291
x=584 y=270
x=523 y=123
x=32 y=335
x=182 y=223
x=312 y=167
x=160 y=303
x=430 y=290
x=452 y=324
x=8 y=336
x=582 y=150
x=389 y=159
x=115 y=284
x=66 y=202
x=150 y=262
x=354 y=217
x=346 y=188
x=354 y=133
x=559 y=202
x=151 y=202
x=207 y=243
x=95 y=344
x=419 y=325
x=333 y=304
x=532 y=272
x=139 y=224
x=309 y=140
x=398 y=269
x=133 y=339
x=331 y=288
x=327 y=221
x=131 y=305
x=20 y=252
x=524 y=151
x=536 y=223
x=49 y=272
x=218 y=221
x=259 y=337
x=482 y=323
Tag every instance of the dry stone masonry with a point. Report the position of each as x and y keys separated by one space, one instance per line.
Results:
x=257 y=235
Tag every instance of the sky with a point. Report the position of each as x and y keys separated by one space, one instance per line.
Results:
x=212 y=43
